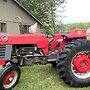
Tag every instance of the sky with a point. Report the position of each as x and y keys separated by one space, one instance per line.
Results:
x=76 y=11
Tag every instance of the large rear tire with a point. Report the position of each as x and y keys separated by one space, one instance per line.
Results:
x=74 y=63
x=9 y=77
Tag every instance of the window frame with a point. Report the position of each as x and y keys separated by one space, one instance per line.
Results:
x=26 y=29
x=3 y=27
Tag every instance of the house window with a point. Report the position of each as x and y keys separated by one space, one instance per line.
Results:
x=26 y=28
x=2 y=27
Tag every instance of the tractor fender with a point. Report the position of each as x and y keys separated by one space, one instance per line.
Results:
x=70 y=36
x=76 y=33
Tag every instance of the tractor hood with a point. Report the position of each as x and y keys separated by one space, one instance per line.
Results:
x=38 y=39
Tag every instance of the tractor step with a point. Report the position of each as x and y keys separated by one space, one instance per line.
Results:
x=51 y=60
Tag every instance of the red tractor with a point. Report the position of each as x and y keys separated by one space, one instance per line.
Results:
x=69 y=51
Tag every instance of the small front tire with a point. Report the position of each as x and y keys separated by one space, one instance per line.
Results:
x=9 y=77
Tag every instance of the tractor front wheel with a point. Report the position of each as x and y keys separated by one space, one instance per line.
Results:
x=74 y=63
x=9 y=77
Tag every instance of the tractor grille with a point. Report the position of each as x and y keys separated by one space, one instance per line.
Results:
x=2 y=51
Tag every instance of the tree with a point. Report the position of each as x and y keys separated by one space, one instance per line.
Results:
x=44 y=10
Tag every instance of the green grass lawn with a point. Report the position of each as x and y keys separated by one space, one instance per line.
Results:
x=42 y=77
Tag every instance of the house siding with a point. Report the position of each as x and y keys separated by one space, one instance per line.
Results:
x=9 y=11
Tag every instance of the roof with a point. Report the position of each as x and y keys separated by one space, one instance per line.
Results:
x=28 y=12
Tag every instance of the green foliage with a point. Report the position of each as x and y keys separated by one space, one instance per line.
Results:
x=47 y=29
x=44 y=10
x=84 y=25
x=68 y=27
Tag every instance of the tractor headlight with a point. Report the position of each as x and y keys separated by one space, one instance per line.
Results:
x=4 y=38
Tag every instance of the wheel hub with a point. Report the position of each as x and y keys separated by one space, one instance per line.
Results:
x=9 y=78
x=81 y=63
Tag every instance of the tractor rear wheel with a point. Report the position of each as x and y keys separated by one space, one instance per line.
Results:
x=9 y=77
x=74 y=63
